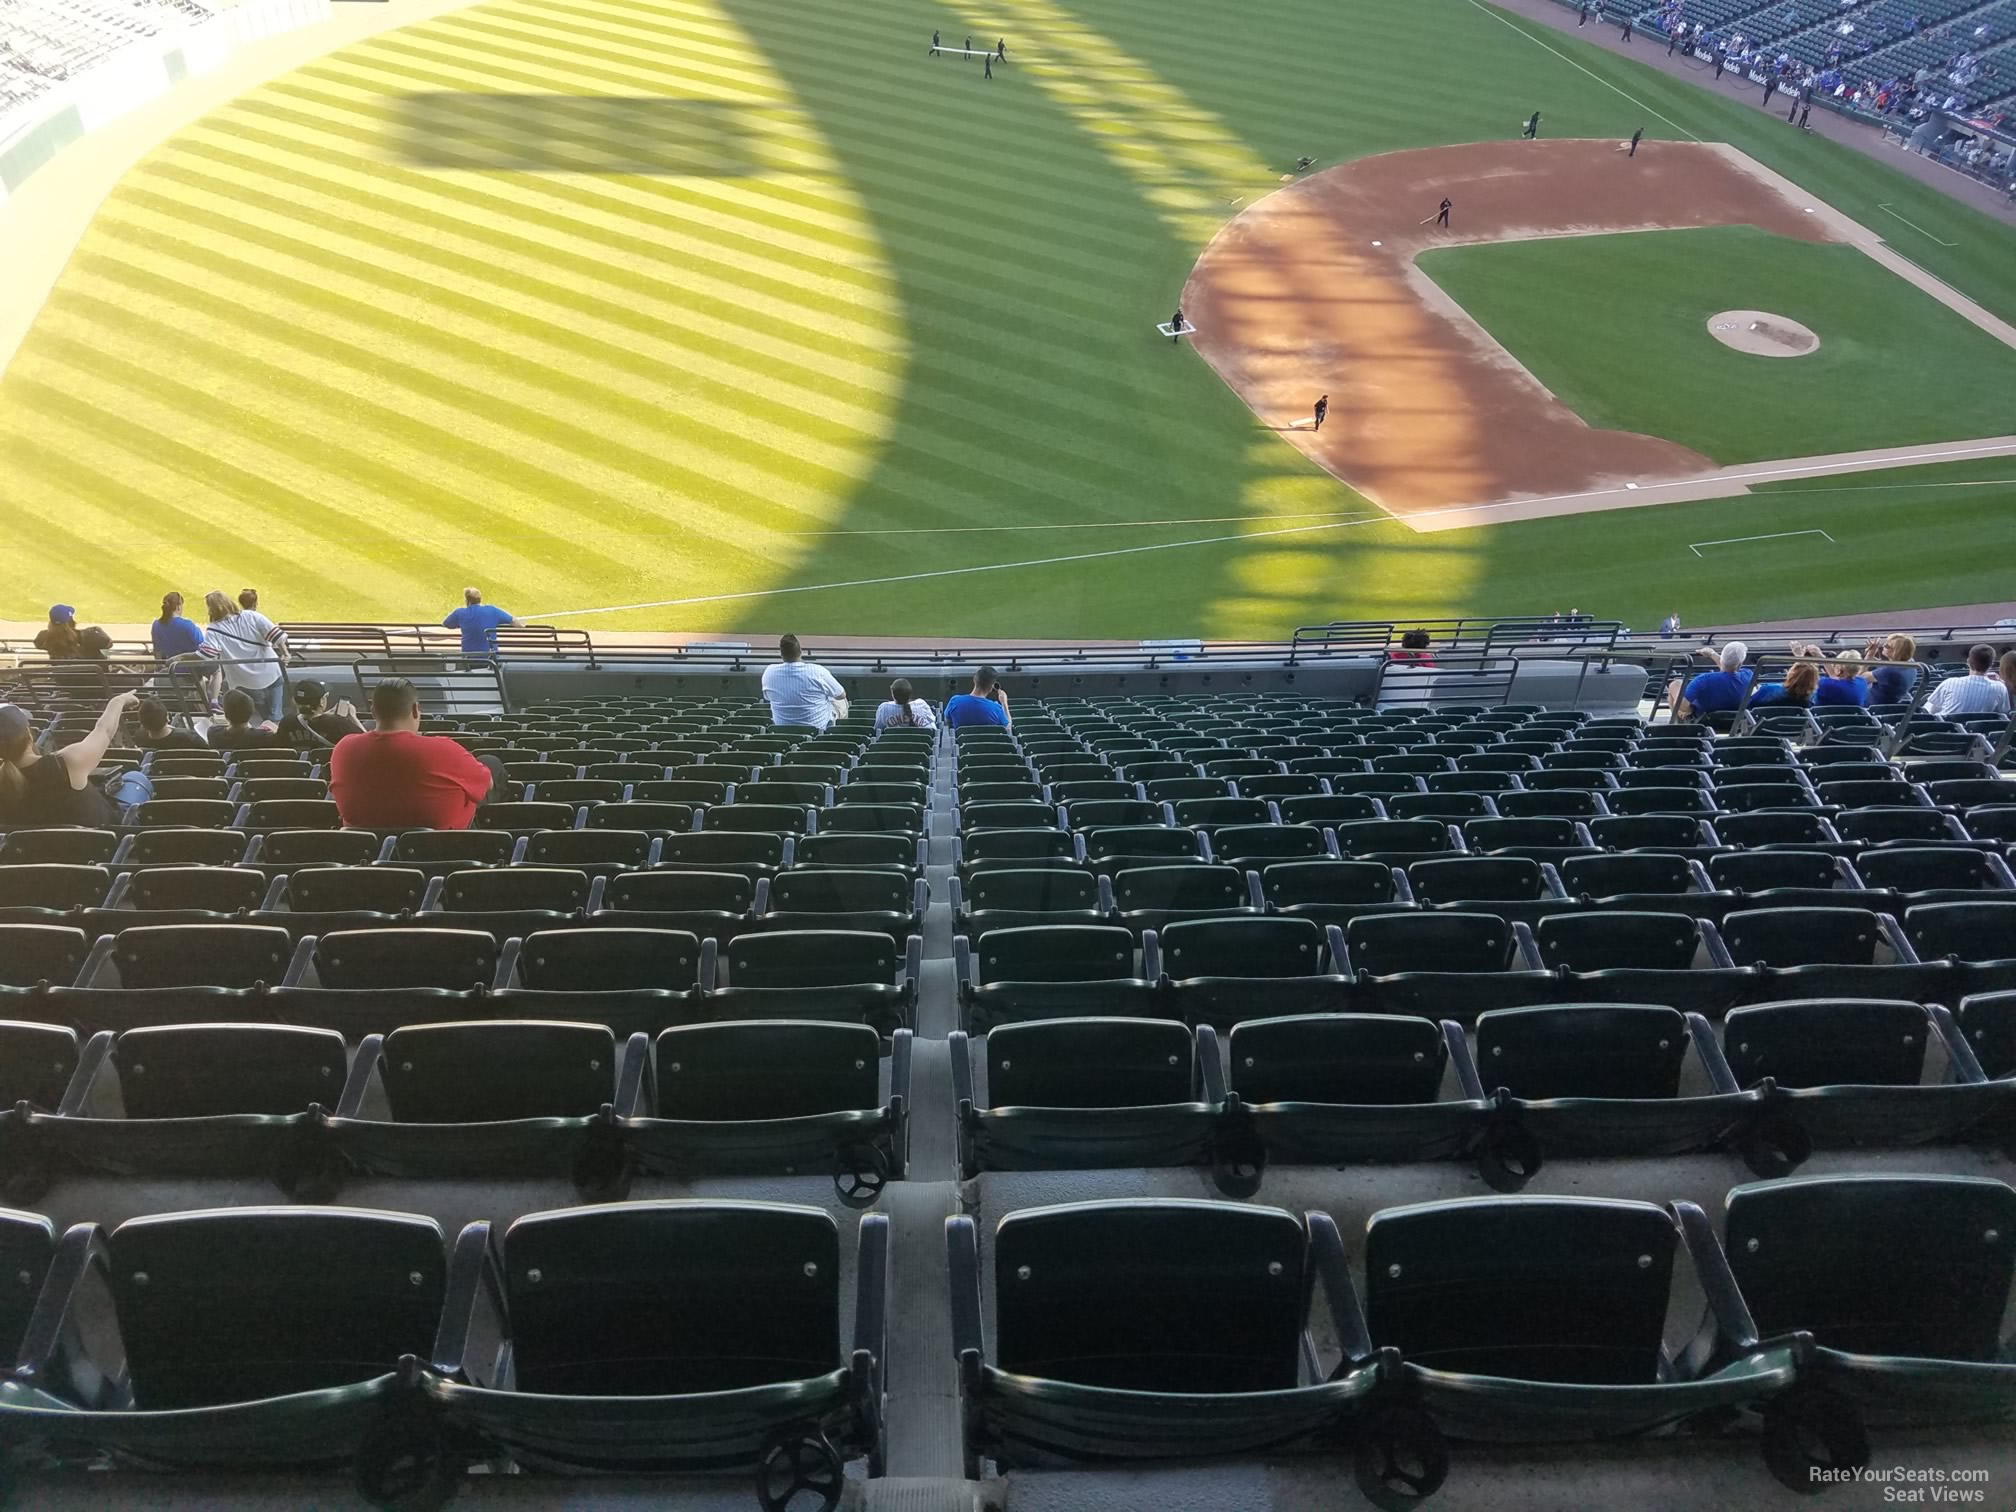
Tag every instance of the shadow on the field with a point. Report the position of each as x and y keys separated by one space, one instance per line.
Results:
x=558 y=133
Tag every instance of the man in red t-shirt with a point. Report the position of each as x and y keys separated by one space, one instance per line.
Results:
x=394 y=777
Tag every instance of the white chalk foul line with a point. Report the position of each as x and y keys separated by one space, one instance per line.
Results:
x=1916 y=227
x=943 y=572
x=1579 y=68
x=1776 y=535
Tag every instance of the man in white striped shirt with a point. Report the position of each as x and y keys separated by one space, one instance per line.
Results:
x=251 y=649
x=1976 y=693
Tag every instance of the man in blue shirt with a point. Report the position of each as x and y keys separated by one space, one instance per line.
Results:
x=478 y=623
x=985 y=705
x=1720 y=691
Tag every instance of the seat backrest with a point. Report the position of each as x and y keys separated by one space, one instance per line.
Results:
x=1055 y=953
x=459 y=959
x=1266 y=842
x=1916 y=1266
x=986 y=816
x=1184 y=887
x=1338 y=1058
x=27 y=1245
x=824 y=889
x=681 y=892
x=432 y=847
x=1754 y=871
x=1287 y=883
x=669 y=1298
x=1158 y=1296
x=1090 y=1063
x=498 y=1069
x=1801 y=936
x=1400 y=836
x=590 y=847
x=499 y=888
x=1032 y=888
x=222 y=889
x=201 y=955
x=1774 y=827
x=1211 y=812
x=1912 y=868
x=1382 y=944
x=1606 y=876
x=319 y=847
x=772 y=1068
x=812 y=958
x=1628 y=1050
x=1827 y=1042
x=609 y=960
x=1561 y=1289
x=760 y=818
x=1883 y=824
x=1631 y=831
x=341 y=889
x=53 y=884
x=212 y=1305
x=857 y=850
x=1476 y=879
x=1613 y=939
x=722 y=848
x=1140 y=840
x=1970 y=931
x=1263 y=947
x=78 y=847
x=36 y=1064
x=203 y=1070
x=639 y=815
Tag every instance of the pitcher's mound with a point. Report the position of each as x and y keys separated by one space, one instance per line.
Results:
x=1762 y=334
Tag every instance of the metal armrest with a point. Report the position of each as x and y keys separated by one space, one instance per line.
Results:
x=871 y=1289
x=760 y=905
x=1403 y=890
x=1107 y=905
x=598 y=888
x=1728 y=1323
x=913 y=963
x=518 y=849
x=962 y=963
x=1721 y=1079
x=790 y=851
x=924 y=851
x=1151 y=956
x=239 y=820
x=276 y=895
x=1527 y=948
x=304 y=958
x=90 y=1060
x=1551 y=880
x=960 y=1047
x=1458 y=1045
x=430 y=896
x=1711 y=941
x=2000 y=869
x=962 y=1256
x=958 y=898
x=1962 y=1065
x=363 y=1066
x=1696 y=873
x=1333 y=1274
x=654 y=852
x=1169 y=816
x=700 y=811
x=632 y=1071
x=1340 y=957
x=1210 y=1066
x=1330 y=848
x=902 y=1044
x=920 y=898
x=811 y=820
x=507 y=962
x=473 y=1275
x=1846 y=874
x=1458 y=846
x=121 y=886
x=53 y=1354
x=1893 y=935
x=710 y=963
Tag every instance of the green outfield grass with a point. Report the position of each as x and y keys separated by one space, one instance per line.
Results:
x=752 y=313
x=1894 y=367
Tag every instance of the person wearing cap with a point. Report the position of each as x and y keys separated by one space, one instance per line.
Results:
x=57 y=787
x=393 y=777
x=478 y=623
x=316 y=724
x=63 y=641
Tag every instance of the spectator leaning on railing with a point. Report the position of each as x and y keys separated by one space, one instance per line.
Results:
x=1977 y=692
x=250 y=649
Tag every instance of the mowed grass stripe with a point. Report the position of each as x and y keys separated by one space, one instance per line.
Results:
x=1037 y=441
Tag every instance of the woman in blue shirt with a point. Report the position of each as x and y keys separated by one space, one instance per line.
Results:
x=1795 y=692
x=1844 y=684
x=1893 y=677
x=174 y=635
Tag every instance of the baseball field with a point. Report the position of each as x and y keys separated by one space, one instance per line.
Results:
x=739 y=314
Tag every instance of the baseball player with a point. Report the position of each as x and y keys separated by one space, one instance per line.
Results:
x=1322 y=409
